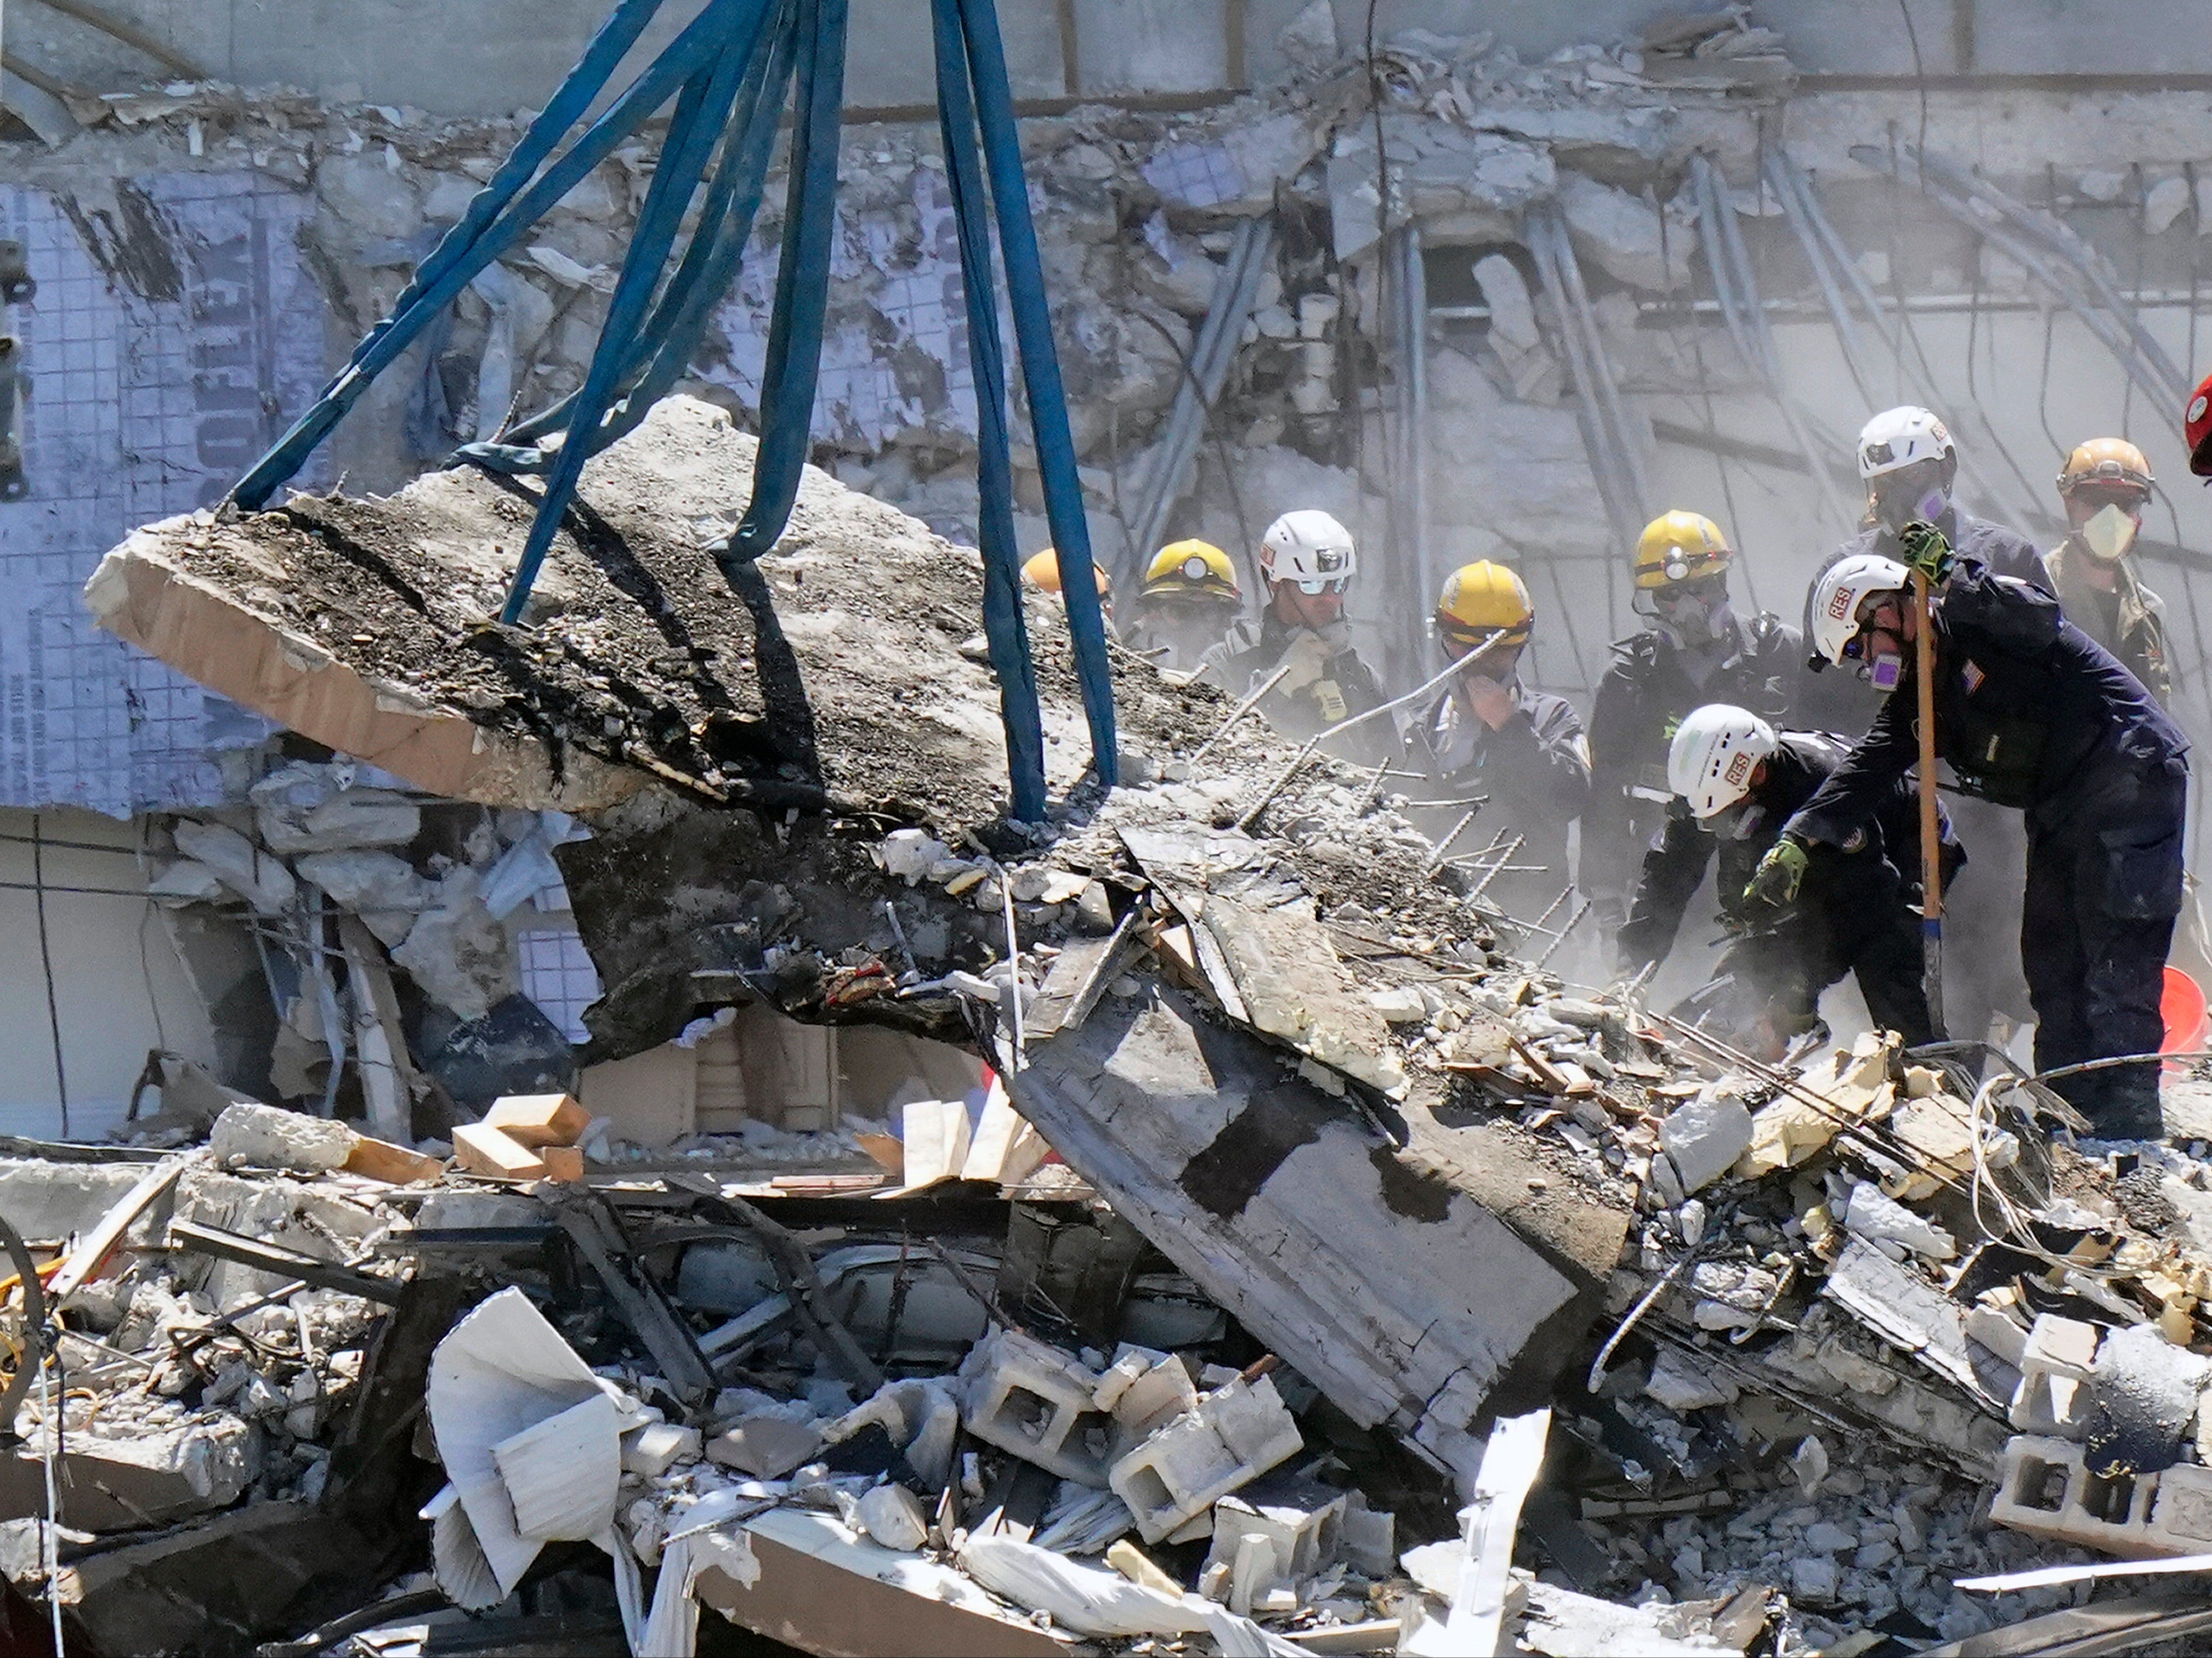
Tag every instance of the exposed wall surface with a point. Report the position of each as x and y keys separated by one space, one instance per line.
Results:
x=119 y=987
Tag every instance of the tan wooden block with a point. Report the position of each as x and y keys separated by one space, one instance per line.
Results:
x=380 y=1159
x=562 y=1163
x=483 y=1149
x=538 y=1119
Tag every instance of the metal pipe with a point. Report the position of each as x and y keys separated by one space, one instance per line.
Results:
x=1538 y=231
x=1571 y=273
x=1709 y=209
x=2062 y=239
x=1781 y=178
x=1413 y=294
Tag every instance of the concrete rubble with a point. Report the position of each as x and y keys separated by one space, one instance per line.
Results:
x=1194 y=1330
x=1310 y=1270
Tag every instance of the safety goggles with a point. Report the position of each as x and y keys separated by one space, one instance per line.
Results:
x=1332 y=584
x=2085 y=501
x=1869 y=618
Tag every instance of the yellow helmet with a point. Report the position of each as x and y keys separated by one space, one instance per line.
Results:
x=2105 y=460
x=1680 y=547
x=1478 y=600
x=1192 y=571
x=1042 y=570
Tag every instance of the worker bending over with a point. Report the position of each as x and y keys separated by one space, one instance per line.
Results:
x=1736 y=781
x=1490 y=735
x=2032 y=714
x=1190 y=597
x=1307 y=561
x=2105 y=484
x=1697 y=651
x=1910 y=465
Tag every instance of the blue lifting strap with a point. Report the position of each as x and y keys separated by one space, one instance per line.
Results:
x=1055 y=445
x=1003 y=627
x=729 y=72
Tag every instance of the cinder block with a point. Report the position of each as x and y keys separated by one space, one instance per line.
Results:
x=1230 y=1438
x=538 y=1119
x=1035 y=1401
x=1146 y=1390
x=2045 y=1489
x=1301 y=1521
x=2043 y=1404
x=484 y=1150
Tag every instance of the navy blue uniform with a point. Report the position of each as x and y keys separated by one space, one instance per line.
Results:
x=1853 y=914
x=2032 y=713
x=1759 y=664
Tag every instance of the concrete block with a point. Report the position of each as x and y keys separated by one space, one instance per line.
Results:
x=767 y=1446
x=1232 y=1437
x=2044 y=1488
x=488 y=1151
x=654 y=1448
x=1301 y=1522
x=1159 y=1391
x=1035 y=1401
x=538 y=1119
x=1703 y=1138
x=2142 y=1392
x=1369 y=1537
x=268 y=1137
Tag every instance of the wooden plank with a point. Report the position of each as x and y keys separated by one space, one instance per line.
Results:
x=99 y=1243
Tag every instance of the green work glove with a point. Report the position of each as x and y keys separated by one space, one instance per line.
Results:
x=1779 y=873
x=1926 y=550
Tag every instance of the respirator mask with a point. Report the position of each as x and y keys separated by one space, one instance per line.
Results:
x=1879 y=652
x=2110 y=531
x=1915 y=492
x=1690 y=613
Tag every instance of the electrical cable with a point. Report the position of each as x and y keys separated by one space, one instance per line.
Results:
x=2128 y=390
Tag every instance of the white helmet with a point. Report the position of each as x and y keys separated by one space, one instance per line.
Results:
x=1715 y=750
x=1897 y=437
x=1310 y=548
x=1836 y=595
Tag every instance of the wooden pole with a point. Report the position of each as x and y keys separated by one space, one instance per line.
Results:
x=1931 y=834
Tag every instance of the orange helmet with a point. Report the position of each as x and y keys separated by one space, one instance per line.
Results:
x=2105 y=460
x=1042 y=570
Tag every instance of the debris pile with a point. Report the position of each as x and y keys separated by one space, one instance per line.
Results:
x=1298 y=1185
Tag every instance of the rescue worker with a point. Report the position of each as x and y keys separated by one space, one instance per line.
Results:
x=1490 y=734
x=1307 y=561
x=1697 y=651
x=1042 y=572
x=2106 y=483
x=1910 y=465
x=1190 y=596
x=1736 y=781
x=2032 y=714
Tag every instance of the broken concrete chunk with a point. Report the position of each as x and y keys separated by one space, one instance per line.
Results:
x=1998 y=1333
x=353 y=818
x=1274 y=1533
x=766 y=1445
x=1892 y=1228
x=1677 y=1383
x=652 y=1449
x=2143 y=1390
x=382 y=888
x=1703 y=1138
x=262 y=880
x=1085 y=1598
x=910 y=854
x=893 y=1516
x=269 y=1137
x=458 y=952
x=1623 y=233
x=1232 y=1437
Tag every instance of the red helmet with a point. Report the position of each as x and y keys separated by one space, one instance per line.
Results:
x=2197 y=428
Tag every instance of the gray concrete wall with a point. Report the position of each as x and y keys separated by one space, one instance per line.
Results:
x=496 y=55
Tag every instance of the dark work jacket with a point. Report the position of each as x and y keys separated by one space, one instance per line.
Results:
x=1642 y=698
x=2030 y=712
x=1253 y=650
x=1535 y=770
x=1876 y=873
x=1836 y=700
